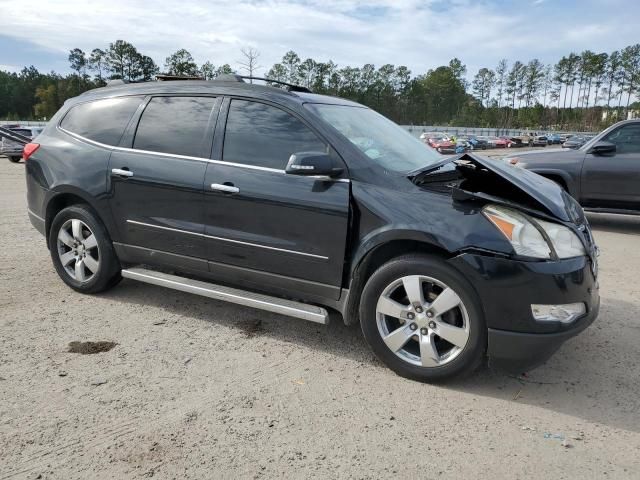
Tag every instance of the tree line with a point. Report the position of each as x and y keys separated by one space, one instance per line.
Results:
x=586 y=91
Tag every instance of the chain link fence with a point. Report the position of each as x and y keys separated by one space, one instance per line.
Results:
x=417 y=130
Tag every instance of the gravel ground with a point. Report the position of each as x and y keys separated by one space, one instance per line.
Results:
x=196 y=388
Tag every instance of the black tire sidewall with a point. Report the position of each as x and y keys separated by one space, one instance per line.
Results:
x=435 y=267
x=15 y=159
x=109 y=271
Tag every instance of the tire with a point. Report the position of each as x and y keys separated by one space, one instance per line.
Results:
x=15 y=159
x=82 y=252
x=444 y=360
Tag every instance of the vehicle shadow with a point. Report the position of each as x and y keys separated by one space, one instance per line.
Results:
x=594 y=376
x=629 y=224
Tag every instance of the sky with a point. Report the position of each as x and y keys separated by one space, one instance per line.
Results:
x=420 y=34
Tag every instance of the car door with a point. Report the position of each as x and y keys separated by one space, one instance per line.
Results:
x=157 y=179
x=613 y=181
x=265 y=227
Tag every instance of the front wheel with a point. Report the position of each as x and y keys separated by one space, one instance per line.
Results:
x=15 y=159
x=423 y=319
x=82 y=251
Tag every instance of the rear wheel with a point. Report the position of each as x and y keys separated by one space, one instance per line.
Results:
x=423 y=319
x=15 y=159
x=82 y=251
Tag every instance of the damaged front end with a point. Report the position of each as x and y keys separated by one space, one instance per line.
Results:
x=471 y=178
x=546 y=291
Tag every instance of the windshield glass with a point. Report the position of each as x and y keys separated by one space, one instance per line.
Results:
x=377 y=137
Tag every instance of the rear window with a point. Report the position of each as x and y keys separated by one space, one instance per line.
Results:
x=103 y=121
x=22 y=131
x=176 y=125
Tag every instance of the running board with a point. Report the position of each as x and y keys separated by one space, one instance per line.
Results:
x=290 y=308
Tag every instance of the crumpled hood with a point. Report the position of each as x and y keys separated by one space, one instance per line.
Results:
x=522 y=183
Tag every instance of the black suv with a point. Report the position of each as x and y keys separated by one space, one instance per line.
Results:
x=297 y=203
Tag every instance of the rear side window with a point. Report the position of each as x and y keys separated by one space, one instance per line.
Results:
x=103 y=121
x=261 y=135
x=175 y=125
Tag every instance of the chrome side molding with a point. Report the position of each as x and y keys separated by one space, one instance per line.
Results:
x=281 y=306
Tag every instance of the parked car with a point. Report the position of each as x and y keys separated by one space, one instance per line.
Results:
x=478 y=143
x=603 y=174
x=13 y=150
x=426 y=135
x=441 y=144
x=531 y=139
x=469 y=143
x=576 y=141
x=554 y=139
x=499 y=142
x=490 y=141
x=296 y=203
x=510 y=143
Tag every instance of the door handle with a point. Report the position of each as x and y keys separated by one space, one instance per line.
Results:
x=122 y=172
x=224 y=188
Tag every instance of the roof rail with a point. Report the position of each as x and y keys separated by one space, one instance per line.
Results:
x=167 y=77
x=241 y=78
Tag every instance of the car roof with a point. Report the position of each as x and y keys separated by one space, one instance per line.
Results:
x=213 y=87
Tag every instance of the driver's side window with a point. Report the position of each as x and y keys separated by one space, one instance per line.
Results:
x=626 y=139
x=263 y=135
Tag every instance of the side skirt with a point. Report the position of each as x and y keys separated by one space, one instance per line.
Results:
x=303 y=311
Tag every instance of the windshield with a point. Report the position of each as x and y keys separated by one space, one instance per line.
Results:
x=378 y=138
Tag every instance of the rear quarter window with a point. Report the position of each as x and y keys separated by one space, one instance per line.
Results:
x=175 y=125
x=103 y=120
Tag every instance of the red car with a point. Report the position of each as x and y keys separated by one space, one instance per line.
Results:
x=502 y=142
x=441 y=144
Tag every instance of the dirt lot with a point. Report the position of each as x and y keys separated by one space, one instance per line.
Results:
x=199 y=389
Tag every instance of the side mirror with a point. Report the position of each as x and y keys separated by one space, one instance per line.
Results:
x=603 y=148
x=312 y=164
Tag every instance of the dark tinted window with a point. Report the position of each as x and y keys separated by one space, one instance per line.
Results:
x=262 y=135
x=627 y=139
x=103 y=120
x=22 y=131
x=174 y=125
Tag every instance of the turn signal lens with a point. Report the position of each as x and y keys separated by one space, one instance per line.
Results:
x=503 y=225
x=29 y=149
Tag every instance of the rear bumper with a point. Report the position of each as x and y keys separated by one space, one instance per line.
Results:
x=37 y=221
x=508 y=288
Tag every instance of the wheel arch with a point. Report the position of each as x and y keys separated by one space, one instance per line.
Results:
x=372 y=255
x=64 y=197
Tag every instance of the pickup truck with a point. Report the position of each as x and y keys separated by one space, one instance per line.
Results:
x=530 y=139
x=603 y=174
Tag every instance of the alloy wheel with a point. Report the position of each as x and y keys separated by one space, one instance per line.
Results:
x=422 y=321
x=78 y=250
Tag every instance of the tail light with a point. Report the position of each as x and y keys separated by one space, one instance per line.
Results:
x=29 y=149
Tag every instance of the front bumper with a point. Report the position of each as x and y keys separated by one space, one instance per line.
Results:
x=507 y=289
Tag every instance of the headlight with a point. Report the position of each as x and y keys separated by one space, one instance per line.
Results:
x=526 y=237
